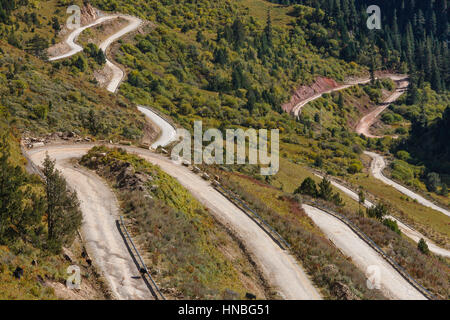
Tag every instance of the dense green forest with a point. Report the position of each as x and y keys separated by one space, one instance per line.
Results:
x=414 y=33
x=234 y=66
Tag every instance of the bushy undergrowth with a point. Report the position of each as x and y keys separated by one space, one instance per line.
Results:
x=230 y=68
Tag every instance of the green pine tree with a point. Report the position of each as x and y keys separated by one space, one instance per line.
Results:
x=308 y=187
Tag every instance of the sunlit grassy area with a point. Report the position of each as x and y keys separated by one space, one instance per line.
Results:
x=291 y=176
x=28 y=287
x=425 y=219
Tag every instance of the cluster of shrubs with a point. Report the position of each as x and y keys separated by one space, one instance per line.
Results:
x=325 y=191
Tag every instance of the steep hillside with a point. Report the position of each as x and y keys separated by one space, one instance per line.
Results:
x=413 y=38
x=428 y=143
x=37 y=98
x=231 y=60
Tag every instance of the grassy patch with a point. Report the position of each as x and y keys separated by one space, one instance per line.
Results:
x=259 y=8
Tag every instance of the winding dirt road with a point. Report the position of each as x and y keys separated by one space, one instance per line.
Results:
x=70 y=40
x=100 y=210
x=377 y=167
x=100 y=213
x=406 y=230
x=378 y=163
x=391 y=283
x=297 y=109
x=168 y=132
x=118 y=74
x=105 y=244
x=364 y=124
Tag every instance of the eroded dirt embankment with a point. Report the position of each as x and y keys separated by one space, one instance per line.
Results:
x=321 y=85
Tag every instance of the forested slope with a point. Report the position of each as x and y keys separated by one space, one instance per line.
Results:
x=413 y=38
